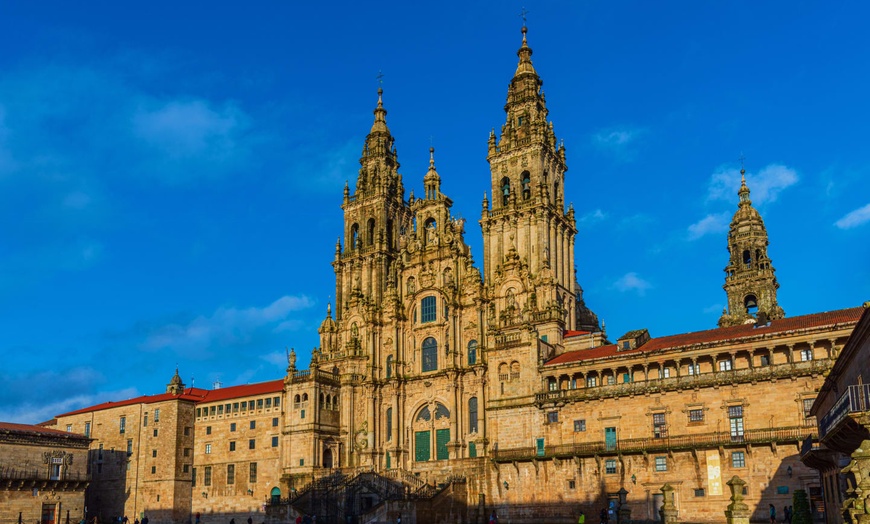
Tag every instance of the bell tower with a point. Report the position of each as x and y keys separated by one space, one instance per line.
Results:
x=527 y=230
x=750 y=280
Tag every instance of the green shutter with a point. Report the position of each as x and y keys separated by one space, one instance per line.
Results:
x=472 y=450
x=539 y=447
x=442 y=437
x=422 y=446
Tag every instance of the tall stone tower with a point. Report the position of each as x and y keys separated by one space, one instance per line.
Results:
x=528 y=237
x=750 y=280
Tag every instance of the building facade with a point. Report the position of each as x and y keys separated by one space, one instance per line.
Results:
x=43 y=474
x=430 y=369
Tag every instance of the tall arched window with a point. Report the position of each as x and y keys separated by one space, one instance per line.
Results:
x=430 y=354
x=389 y=423
x=354 y=236
x=527 y=185
x=472 y=353
x=370 y=232
x=505 y=190
x=472 y=415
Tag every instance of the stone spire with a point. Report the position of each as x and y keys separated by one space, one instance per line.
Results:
x=379 y=163
x=432 y=182
x=175 y=386
x=750 y=280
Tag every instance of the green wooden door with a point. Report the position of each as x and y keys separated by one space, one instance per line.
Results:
x=422 y=446
x=472 y=450
x=610 y=438
x=539 y=447
x=442 y=437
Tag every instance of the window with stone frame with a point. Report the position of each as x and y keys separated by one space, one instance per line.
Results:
x=579 y=425
x=738 y=459
x=806 y=354
x=252 y=473
x=552 y=417
x=725 y=365
x=807 y=407
x=231 y=473
x=660 y=428
x=430 y=355
x=610 y=466
x=206 y=476
x=662 y=463
x=428 y=309
x=696 y=415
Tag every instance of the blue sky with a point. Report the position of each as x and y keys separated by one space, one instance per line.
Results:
x=171 y=173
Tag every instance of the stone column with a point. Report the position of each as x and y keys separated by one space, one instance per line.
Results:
x=669 y=509
x=737 y=512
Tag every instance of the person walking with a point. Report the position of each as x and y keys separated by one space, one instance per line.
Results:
x=772 y=511
x=582 y=518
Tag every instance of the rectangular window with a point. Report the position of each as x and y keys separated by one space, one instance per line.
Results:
x=610 y=438
x=765 y=360
x=145 y=420
x=553 y=417
x=301 y=462
x=155 y=432
x=253 y=424
x=198 y=412
x=724 y=365
x=245 y=406
x=427 y=309
x=274 y=422
x=235 y=407
x=259 y=403
x=808 y=405
x=69 y=428
x=157 y=415
x=572 y=484
x=591 y=382
x=252 y=444
x=87 y=429
x=694 y=369
x=232 y=426
x=208 y=449
x=193 y=478
x=212 y=410
x=187 y=452
x=154 y=453
x=666 y=373
x=129 y=447
x=626 y=378
x=696 y=415
x=208 y=430
x=738 y=459
x=472 y=415
x=231 y=473
x=276 y=401
x=232 y=445
x=540 y=449
x=610 y=466
x=206 y=476
x=611 y=380
x=184 y=469
x=806 y=355
x=699 y=492
x=659 y=425
x=580 y=425
x=122 y=423
x=153 y=469
x=422 y=446
x=274 y=442
x=252 y=475
x=442 y=437
x=220 y=410
x=186 y=431
x=228 y=408
x=735 y=416
x=302 y=413
x=661 y=463
x=269 y=402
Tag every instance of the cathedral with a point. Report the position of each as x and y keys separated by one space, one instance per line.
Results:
x=442 y=391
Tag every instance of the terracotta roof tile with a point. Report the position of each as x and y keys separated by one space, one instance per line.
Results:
x=11 y=427
x=569 y=333
x=196 y=395
x=785 y=325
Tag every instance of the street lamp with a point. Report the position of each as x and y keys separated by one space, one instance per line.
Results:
x=506 y=486
x=788 y=471
x=633 y=478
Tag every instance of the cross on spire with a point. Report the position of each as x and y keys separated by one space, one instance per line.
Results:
x=380 y=78
x=742 y=162
x=523 y=14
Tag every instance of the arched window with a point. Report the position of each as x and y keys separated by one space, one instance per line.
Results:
x=441 y=411
x=472 y=353
x=305 y=397
x=296 y=399
x=430 y=354
x=747 y=258
x=472 y=415
x=389 y=366
x=354 y=236
x=328 y=402
x=751 y=304
x=389 y=424
x=527 y=185
x=370 y=232
x=505 y=191
x=515 y=370
x=424 y=415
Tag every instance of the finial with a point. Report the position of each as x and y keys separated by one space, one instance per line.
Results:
x=432 y=157
x=329 y=310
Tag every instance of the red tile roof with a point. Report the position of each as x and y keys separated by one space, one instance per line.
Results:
x=196 y=395
x=569 y=333
x=744 y=331
x=28 y=429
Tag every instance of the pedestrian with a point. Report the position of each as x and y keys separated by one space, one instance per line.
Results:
x=772 y=511
x=125 y=519
x=298 y=519
x=144 y=519
x=250 y=520
x=399 y=519
x=233 y=521
x=582 y=518
x=493 y=519
x=197 y=517
x=604 y=516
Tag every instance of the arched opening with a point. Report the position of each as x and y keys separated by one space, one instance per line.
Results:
x=751 y=304
x=505 y=191
x=275 y=495
x=472 y=353
x=429 y=231
x=305 y=397
x=747 y=258
x=354 y=236
x=527 y=185
x=370 y=232
x=472 y=415
x=327 y=458
x=430 y=355
x=758 y=257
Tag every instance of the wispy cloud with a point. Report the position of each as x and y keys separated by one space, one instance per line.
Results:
x=854 y=218
x=592 y=217
x=620 y=142
x=227 y=326
x=765 y=185
x=712 y=223
x=632 y=282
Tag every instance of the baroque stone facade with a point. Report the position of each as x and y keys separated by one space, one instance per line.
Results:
x=497 y=384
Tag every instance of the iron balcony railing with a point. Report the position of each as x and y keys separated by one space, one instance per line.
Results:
x=40 y=474
x=651 y=444
x=855 y=399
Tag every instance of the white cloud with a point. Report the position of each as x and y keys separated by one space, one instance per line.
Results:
x=632 y=282
x=712 y=223
x=592 y=217
x=225 y=327
x=189 y=128
x=618 y=141
x=854 y=218
x=764 y=186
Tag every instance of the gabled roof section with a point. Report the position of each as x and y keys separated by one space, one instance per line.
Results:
x=713 y=336
x=195 y=395
x=7 y=428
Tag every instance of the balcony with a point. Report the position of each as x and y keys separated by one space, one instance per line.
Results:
x=656 y=445
x=41 y=478
x=856 y=399
x=323 y=377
